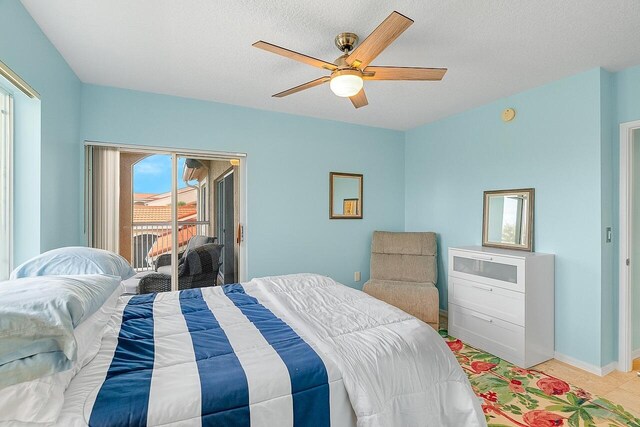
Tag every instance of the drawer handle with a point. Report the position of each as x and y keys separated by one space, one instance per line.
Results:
x=481 y=317
x=483 y=288
x=480 y=257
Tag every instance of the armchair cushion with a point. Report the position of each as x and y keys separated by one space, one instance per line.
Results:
x=402 y=268
x=197 y=241
x=408 y=257
x=201 y=260
x=404 y=273
x=164 y=269
x=165 y=259
x=408 y=243
x=418 y=299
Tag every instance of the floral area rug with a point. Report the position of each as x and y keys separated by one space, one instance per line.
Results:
x=512 y=396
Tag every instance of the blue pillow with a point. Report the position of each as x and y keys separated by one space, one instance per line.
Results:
x=37 y=319
x=75 y=260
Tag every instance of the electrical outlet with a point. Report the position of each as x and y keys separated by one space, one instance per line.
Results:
x=356 y=276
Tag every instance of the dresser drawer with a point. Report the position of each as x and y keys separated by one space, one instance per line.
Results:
x=487 y=299
x=505 y=272
x=493 y=335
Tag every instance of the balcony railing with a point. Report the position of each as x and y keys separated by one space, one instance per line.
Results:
x=149 y=240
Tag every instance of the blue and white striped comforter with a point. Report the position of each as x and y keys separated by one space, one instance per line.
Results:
x=281 y=351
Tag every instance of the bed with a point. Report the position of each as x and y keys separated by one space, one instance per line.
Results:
x=295 y=350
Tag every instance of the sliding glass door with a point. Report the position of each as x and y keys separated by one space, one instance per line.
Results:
x=165 y=203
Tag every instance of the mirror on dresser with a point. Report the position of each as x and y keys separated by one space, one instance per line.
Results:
x=508 y=219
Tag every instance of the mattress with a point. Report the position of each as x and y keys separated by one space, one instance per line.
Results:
x=298 y=350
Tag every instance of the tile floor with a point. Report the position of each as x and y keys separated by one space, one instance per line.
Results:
x=619 y=387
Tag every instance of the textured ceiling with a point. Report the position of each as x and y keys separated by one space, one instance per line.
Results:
x=202 y=49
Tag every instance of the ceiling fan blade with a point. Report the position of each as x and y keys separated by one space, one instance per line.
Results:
x=303 y=86
x=404 y=73
x=379 y=39
x=305 y=59
x=359 y=99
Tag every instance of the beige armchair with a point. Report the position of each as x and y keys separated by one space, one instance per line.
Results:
x=404 y=273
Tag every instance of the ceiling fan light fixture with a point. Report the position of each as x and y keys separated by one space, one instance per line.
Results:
x=346 y=83
x=350 y=68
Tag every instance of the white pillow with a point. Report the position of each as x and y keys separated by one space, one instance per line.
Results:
x=40 y=400
x=74 y=260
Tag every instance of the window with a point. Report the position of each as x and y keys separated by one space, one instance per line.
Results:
x=6 y=202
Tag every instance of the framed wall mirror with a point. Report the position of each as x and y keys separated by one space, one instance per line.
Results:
x=508 y=219
x=345 y=195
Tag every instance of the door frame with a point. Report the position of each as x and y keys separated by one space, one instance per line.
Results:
x=243 y=262
x=221 y=179
x=625 y=251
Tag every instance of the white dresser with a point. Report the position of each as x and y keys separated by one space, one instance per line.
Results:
x=502 y=301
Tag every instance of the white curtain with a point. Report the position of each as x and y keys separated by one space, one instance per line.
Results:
x=104 y=174
x=6 y=202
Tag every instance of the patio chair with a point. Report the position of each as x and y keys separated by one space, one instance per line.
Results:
x=199 y=268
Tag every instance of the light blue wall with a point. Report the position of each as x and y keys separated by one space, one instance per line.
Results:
x=47 y=212
x=554 y=146
x=288 y=163
x=627 y=93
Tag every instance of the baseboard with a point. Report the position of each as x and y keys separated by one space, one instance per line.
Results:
x=596 y=370
x=635 y=354
x=444 y=313
x=607 y=369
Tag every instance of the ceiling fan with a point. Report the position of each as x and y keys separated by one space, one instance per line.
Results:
x=352 y=67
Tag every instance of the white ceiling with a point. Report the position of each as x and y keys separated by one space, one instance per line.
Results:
x=202 y=49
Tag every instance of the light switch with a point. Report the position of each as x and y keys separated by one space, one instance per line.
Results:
x=356 y=276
